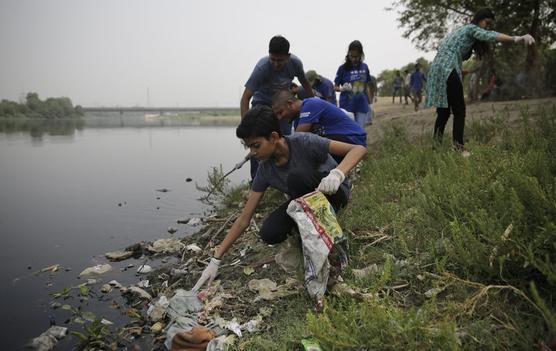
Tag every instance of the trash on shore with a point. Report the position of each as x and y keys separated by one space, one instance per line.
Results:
x=157 y=310
x=137 y=291
x=118 y=255
x=310 y=345
x=167 y=246
x=48 y=340
x=194 y=221
x=194 y=248
x=99 y=269
x=289 y=257
x=52 y=269
x=363 y=272
x=106 y=288
x=144 y=269
x=269 y=290
x=433 y=292
x=115 y=284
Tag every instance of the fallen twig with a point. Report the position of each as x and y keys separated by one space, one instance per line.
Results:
x=232 y=217
x=382 y=238
x=262 y=262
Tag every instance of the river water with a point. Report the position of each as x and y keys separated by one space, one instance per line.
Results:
x=67 y=198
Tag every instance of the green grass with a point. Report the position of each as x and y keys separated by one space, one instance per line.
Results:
x=480 y=230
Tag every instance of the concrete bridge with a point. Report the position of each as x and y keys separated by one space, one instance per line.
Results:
x=160 y=110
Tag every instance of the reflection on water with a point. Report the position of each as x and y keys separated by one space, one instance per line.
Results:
x=68 y=199
x=138 y=119
x=38 y=127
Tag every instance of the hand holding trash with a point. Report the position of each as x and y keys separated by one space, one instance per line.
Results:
x=346 y=87
x=208 y=274
x=331 y=183
x=526 y=39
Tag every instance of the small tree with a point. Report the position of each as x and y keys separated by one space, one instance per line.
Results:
x=427 y=22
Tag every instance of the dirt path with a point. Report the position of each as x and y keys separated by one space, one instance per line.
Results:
x=422 y=121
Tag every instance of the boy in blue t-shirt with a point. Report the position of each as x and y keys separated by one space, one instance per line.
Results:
x=319 y=117
x=416 y=83
x=322 y=87
x=295 y=165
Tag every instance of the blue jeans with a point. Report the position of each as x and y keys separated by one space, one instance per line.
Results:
x=361 y=118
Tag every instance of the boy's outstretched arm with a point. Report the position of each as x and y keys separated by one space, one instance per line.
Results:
x=352 y=154
x=239 y=226
x=307 y=87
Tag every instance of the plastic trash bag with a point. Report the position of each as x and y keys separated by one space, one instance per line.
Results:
x=319 y=230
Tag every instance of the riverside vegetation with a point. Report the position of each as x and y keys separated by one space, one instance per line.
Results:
x=57 y=116
x=446 y=252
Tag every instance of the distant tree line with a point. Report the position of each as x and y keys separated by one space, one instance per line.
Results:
x=33 y=107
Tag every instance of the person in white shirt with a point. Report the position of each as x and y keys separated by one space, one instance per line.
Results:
x=406 y=88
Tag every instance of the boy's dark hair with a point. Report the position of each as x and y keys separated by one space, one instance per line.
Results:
x=279 y=45
x=259 y=121
x=282 y=95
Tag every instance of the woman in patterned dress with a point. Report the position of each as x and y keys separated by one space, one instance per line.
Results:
x=444 y=85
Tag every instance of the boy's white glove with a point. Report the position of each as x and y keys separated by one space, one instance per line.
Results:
x=208 y=274
x=527 y=39
x=346 y=87
x=331 y=183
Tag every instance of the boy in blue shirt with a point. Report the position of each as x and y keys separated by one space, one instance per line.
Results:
x=271 y=74
x=322 y=87
x=319 y=117
x=293 y=164
x=416 y=83
x=397 y=87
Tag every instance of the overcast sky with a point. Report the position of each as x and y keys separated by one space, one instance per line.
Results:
x=184 y=53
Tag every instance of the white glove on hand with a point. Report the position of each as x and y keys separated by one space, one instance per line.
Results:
x=208 y=274
x=331 y=183
x=527 y=39
x=346 y=87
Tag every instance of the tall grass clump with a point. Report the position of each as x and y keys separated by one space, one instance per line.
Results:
x=472 y=242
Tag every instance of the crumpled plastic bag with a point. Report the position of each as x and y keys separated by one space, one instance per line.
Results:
x=289 y=257
x=319 y=230
x=95 y=270
x=220 y=343
x=48 y=340
x=183 y=303
x=166 y=246
x=182 y=309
